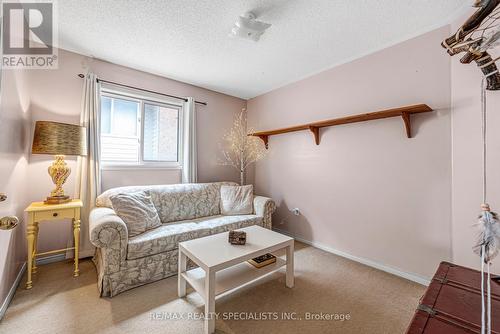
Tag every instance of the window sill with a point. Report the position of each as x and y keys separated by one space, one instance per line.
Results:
x=140 y=167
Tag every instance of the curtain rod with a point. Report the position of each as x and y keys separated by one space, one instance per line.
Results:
x=144 y=90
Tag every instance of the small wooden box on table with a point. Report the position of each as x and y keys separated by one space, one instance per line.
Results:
x=39 y=211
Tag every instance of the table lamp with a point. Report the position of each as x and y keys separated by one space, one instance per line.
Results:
x=59 y=139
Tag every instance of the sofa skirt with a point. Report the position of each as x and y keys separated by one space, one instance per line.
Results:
x=134 y=273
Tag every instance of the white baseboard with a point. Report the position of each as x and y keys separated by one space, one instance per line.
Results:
x=50 y=259
x=62 y=257
x=12 y=291
x=391 y=270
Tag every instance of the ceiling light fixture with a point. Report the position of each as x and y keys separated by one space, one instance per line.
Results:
x=248 y=27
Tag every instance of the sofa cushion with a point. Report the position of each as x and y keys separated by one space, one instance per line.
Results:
x=221 y=224
x=236 y=200
x=188 y=201
x=168 y=236
x=176 y=202
x=137 y=211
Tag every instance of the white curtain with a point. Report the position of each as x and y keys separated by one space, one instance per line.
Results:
x=189 y=157
x=88 y=182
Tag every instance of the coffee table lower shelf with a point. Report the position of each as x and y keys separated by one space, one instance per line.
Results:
x=223 y=267
x=232 y=277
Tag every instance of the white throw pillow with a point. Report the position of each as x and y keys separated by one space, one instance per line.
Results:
x=137 y=211
x=236 y=200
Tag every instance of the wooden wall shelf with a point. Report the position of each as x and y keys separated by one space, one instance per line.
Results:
x=403 y=112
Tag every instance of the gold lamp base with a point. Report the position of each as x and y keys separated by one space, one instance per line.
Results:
x=57 y=199
x=59 y=172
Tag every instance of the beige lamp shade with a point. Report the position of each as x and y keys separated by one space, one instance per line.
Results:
x=59 y=139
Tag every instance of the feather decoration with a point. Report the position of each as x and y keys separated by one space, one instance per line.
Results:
x=489 y=234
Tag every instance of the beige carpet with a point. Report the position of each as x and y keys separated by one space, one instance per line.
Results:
x=376 y=302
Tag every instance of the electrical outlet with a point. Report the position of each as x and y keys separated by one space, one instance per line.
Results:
x=296 y=211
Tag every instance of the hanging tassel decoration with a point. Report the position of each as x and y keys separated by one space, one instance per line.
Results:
x=488 y=241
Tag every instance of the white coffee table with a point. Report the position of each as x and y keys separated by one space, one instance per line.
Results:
x=214 y=254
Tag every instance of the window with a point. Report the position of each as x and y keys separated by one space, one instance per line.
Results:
x=138 y=131
x=161 y=133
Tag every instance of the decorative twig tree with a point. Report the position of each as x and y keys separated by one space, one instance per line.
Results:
x=241 y=150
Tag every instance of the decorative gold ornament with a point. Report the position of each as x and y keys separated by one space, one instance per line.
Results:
x=59 y=172
x=8 y=222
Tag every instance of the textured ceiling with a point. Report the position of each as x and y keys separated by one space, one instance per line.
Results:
x=187 y=40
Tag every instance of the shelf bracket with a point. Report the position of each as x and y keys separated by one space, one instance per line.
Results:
x=265 y=139
x=406 y=120
x=315 y=131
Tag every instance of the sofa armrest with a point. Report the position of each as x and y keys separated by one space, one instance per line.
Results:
x=109 y=233
x=264 y=207
x=105 y=226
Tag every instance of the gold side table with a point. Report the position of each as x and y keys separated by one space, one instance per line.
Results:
x=39 y=211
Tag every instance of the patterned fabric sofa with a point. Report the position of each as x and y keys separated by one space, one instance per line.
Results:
x=187 y=211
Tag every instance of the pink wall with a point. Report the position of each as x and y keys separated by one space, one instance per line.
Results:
x=367 y=190
x=466 y=153
x=56 y=95
x=14 y=138
x=115 y=177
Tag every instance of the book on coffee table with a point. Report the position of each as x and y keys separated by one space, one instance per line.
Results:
x=263 y=260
